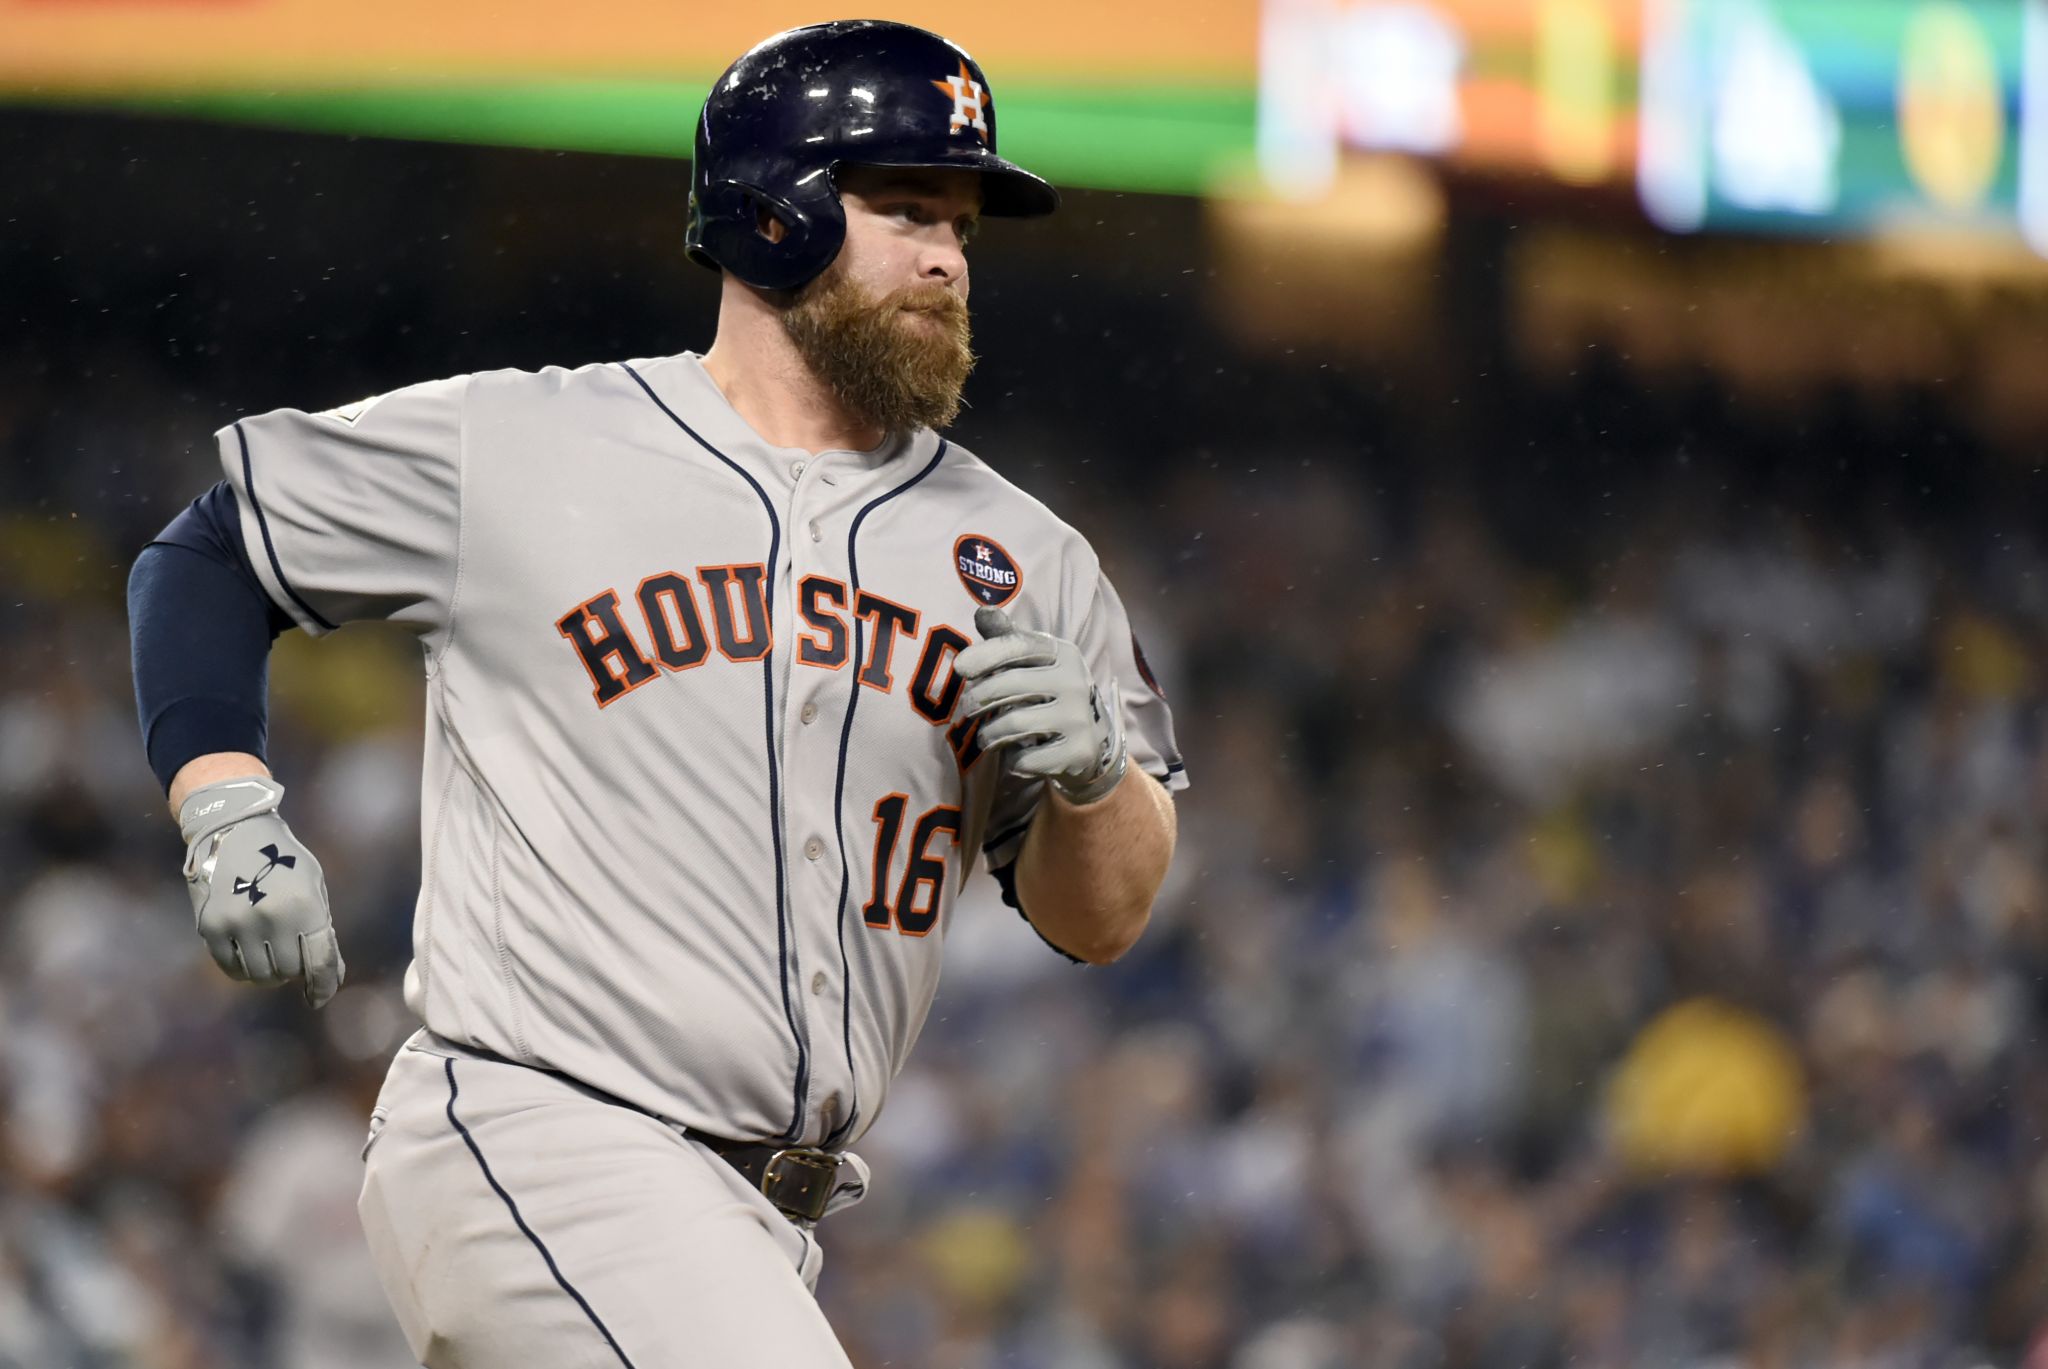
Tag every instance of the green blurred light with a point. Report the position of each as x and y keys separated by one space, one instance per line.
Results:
x=1163 y=139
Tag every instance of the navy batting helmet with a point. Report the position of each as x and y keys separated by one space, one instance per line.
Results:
x=786 y=115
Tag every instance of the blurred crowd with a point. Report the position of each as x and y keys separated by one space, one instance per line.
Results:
x=1611 y=932
x=1609 y=929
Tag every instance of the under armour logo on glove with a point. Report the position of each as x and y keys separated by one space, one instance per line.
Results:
x=272 y=861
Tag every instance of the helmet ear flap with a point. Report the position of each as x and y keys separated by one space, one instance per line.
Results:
x=729 y=229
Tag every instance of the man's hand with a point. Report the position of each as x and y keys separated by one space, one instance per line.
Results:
x=1034 y=693
x=259 y=896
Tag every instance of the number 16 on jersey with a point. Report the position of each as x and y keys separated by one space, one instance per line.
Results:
x=915 y=908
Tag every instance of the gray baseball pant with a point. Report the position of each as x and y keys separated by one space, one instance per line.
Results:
x=518 y=1219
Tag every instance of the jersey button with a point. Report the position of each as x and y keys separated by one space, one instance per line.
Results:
x=817 y=533
x=809 y=713
x=818 y=982
x=796 y=470
x=813 y=849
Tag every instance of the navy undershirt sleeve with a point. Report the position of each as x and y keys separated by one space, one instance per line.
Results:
x=199 y=631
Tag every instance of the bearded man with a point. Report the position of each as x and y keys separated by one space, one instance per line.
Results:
x=736 y=669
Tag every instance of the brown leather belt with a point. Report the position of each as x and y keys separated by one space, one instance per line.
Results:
x=799 y=1180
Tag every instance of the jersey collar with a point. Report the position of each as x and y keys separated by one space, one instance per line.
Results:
x=686 y=385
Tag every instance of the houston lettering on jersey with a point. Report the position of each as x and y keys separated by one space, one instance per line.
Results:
x=668 y=629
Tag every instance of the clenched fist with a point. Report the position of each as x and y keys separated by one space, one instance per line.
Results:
x=1034 y=694
x=259 y=896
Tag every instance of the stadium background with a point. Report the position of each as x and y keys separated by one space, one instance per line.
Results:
x=1610 y=926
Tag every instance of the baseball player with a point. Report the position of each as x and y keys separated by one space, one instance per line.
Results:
x=735 y=668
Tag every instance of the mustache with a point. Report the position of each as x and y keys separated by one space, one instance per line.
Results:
x=927 y=299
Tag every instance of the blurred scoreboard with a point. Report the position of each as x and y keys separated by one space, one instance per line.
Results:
x=1539 y=84
x=1800 y=116
x=1815 y=115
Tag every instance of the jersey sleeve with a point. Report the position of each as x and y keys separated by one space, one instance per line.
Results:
x=1118 y=665
x=353 y=513
x=1118 y=662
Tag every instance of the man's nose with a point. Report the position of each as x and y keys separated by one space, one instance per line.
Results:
x=943 y=262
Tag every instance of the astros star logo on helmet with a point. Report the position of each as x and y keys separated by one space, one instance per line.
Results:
x=969 y=102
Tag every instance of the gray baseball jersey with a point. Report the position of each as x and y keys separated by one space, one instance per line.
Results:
x=696 y=806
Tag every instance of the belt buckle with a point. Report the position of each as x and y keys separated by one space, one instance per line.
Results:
x=800 y=1181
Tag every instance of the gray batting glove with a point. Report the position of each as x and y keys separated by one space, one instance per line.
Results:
x=259 y=896
x=1035 y=695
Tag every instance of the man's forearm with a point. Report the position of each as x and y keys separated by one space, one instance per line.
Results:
x=1087 y=875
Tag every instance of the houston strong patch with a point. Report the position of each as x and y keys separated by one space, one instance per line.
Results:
x=988 y=571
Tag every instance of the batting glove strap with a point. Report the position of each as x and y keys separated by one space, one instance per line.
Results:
x=213 y=808
x=1116 y=761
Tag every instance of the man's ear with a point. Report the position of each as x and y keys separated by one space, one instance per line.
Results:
x=768 y=225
